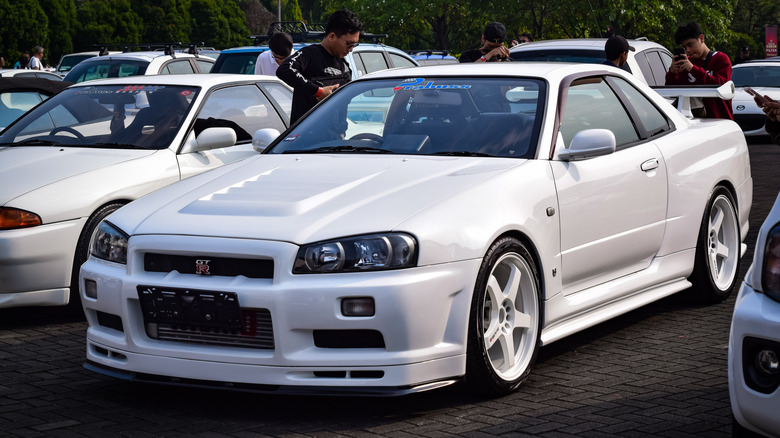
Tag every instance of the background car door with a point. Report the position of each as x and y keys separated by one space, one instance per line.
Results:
x=612 y=207
x=246 y=109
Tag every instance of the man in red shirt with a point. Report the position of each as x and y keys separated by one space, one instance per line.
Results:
x=701 y=66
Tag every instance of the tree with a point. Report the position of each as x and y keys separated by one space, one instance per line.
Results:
x=62 y=26
x=101 y=22
x=165 y=20
x=218 y=23
x=27 y=26
x=258 y=17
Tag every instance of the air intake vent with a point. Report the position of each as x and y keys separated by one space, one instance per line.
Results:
x=207 y=265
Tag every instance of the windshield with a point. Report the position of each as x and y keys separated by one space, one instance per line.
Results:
x=116 y=116
x=238 y=62
x=498 y=117
x=68 y=61
x=756 y=76
x=105 y=68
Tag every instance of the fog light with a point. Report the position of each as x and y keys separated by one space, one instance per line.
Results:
x=359 y=306
x=90 y=289
x=767 y=362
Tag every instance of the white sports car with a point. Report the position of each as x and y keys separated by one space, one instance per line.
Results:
x=754 y=342
x=493 y=211
x=94 y=147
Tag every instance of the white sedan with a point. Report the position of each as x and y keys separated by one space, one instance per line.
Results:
x=92 y=148
x=493 y=211
x=754 y=342
x=764 y=78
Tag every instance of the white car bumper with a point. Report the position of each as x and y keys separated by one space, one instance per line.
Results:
x=416 y=336
x=755 y=326
x=36 y=263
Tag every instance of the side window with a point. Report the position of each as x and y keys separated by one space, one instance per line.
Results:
x=373 y=61
x=658 y=66
x=652 y=120
x=400 y=61
x=591 y=104
x=280 y=95
x=175 y=67
x=205 y=66
x=644 y=66
x=243 y=108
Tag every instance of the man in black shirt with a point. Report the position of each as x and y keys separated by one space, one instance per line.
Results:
x=493 y=48
x=315 y=71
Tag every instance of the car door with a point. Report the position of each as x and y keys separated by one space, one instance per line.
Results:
x=244 y=107
x=612 y=207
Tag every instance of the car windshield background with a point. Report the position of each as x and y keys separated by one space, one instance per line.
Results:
x=238 y=63
x=756 y=76
x=115 y=116
x=105 y=68
x=560 y=55
x=498 y=117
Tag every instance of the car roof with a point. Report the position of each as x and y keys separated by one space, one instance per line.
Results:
x=297 y=46
x=26 y=83
x=187 y=79
x=146 y=56
x=758 y=63
x=539 y=70
x=593 y=43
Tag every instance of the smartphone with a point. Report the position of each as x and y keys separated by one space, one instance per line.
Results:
x=679 y=53
x=755 y=94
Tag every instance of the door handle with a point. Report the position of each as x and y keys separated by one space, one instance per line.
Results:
x=649 y=165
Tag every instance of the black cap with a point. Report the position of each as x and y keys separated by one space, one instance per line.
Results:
x=495 y=32
x=616 y=45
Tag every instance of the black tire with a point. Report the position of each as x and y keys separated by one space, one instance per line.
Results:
x=716 y=266
x=510 y=329
x=82 y=247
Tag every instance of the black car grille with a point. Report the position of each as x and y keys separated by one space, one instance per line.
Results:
x=206 y=265
x=750 y=122
x=256 y=332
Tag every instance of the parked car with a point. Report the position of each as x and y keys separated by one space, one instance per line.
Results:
x=762 y=76
x=433 y=57
x=124 y=64
x=24 y=73
x=20 y=94
x=490 y=212
x=754 y=341
x=69 y=60
x=94 y=147
x=364 y=58
x=649 y=61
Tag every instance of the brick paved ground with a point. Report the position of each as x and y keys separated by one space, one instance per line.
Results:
x=658 y=371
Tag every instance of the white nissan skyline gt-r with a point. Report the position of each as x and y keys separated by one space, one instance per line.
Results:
x=486 y=213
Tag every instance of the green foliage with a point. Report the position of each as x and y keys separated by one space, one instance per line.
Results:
x=62 y=24
x=101 y=22
x=218 y=23
x=26 y=26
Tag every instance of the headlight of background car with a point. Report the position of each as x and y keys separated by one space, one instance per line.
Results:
x=109 y=243
x=372 y=252
x=770 y=276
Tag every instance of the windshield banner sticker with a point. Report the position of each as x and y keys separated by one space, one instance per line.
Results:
x=417 y=84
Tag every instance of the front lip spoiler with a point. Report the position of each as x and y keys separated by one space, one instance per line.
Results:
x=337 y=391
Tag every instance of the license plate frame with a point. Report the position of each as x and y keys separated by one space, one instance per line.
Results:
x=195 y=308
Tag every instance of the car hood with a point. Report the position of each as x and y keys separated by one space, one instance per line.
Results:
x=743 y=97
x=28 y=168
x=307 y=198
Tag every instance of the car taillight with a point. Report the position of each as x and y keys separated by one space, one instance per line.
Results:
x=771 y=270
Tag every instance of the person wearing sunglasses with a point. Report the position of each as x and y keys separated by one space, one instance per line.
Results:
x=315 y=71
x=280 y=46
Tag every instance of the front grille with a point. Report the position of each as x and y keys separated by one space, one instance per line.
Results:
x=211 y=266
x=256 y=332
x=750 y=122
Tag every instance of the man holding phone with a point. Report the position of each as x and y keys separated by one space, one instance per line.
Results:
x=699 y=65
x=771 y=108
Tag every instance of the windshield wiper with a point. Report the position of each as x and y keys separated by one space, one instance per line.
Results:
x=462 y=154
x=34 y=142
x=345 y=148
x=116 y=145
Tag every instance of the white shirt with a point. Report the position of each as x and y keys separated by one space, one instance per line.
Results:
x=35 y=64
x=266 y=64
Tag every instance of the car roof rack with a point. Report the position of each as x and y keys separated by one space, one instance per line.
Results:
x=168 y=48
x=300 y=32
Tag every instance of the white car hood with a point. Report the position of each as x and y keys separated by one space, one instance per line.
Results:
x=306 y=198
x=28 y=168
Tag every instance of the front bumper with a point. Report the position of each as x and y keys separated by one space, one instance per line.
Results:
x=36 y=264
x=421 y=314
x=756 y=321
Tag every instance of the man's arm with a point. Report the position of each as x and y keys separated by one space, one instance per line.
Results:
x=291 y=72
x=719 y=65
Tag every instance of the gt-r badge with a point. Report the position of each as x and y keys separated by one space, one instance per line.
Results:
x=202 y=267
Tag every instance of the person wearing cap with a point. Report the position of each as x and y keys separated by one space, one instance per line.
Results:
x=493 y=48
x=744 y=55
x=617 y=49
x=701 y=66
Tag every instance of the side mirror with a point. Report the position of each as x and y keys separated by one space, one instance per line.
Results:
x=589 y=143
x=211 y=138
x=264 y=137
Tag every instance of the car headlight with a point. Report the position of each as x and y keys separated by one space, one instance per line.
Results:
x=372 y=252
x=11 y=218
x=109 y=243
x=770 y=275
